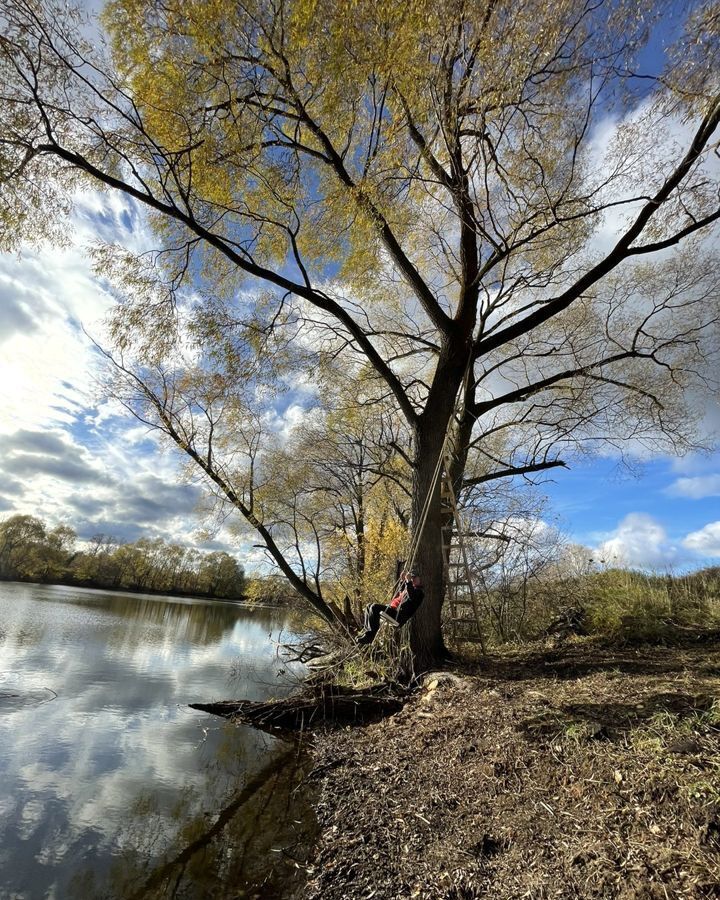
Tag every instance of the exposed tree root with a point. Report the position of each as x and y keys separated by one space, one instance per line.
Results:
x=322 y=705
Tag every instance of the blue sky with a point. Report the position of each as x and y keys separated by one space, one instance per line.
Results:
x=658 y=513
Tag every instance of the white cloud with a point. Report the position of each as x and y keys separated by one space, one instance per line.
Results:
x=47 y=364
x=695 y=464
x=706 y=541
x=639 y=540
x=62 y=457
x=45 y=377
x=643 y=144
x=697 y=487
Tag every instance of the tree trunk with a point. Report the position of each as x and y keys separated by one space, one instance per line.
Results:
x=426 y=638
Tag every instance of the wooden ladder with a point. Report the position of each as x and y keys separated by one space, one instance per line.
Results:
x=461 y=596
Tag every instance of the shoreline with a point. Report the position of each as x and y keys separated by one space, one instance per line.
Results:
x=575 y=772
x=234 y=601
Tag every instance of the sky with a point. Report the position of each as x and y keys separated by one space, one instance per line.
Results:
x=65 y=453
x=68 y=455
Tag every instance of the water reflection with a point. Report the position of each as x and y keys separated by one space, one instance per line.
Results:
x=255 y=844
x=116 y=786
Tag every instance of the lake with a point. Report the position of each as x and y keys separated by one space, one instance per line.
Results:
x=110 y=786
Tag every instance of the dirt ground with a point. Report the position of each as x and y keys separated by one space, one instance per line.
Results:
x=574 y=772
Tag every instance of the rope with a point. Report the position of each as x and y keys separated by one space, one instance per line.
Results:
x=412 y=550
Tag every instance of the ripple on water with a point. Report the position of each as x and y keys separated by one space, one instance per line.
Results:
x=11 y=699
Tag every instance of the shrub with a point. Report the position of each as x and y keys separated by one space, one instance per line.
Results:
x=636 y=606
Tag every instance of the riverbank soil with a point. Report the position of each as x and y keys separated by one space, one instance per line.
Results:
x=572 y=772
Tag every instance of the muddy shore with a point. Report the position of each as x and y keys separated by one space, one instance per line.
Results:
x=574 y=772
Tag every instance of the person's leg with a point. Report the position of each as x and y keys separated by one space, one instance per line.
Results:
x=372 y=622
x=390 y=615
x=406 y=611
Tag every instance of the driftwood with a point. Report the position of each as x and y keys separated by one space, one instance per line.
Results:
x=303 y=653
x=322 y=705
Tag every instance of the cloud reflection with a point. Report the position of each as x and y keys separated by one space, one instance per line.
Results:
x=119 y=737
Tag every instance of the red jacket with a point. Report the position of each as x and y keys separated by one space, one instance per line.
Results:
x=408 y=592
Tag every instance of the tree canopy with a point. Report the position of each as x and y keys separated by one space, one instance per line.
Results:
x=509 y=203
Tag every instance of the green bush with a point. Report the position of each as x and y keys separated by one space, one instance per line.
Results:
x=625 y=605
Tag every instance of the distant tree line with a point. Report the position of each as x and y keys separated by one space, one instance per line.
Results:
x=31 y=551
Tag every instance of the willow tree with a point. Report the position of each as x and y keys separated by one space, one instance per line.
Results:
x=503 y=210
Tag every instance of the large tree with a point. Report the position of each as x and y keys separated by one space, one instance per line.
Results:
x=509 y=203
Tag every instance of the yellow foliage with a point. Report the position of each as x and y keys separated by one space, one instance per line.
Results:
x=386 y=542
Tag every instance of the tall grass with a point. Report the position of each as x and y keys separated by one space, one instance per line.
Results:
x=623 y=604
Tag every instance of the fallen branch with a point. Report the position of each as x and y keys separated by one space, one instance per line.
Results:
x=322 y=706
x=302 y=653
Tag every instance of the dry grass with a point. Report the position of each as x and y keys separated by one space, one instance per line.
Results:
x=573 y=773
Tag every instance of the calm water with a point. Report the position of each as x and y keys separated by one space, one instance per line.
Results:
x=110 y=786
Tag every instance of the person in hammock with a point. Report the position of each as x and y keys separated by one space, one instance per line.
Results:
x=403 y=605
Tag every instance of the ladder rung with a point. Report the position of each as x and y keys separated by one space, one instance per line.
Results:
x=465 y=621
x=462 y=603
